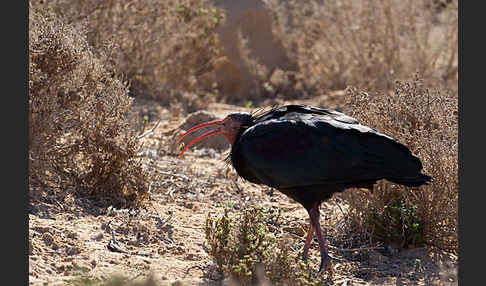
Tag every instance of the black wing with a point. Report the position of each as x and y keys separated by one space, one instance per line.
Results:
x=300 y=146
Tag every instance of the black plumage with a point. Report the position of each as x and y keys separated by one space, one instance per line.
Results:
x=303 y=151
x=310 y=153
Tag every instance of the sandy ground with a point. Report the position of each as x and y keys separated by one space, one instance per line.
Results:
x=70 y=239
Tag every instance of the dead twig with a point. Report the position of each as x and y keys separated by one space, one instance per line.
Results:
x=113 y=244
x=161 y=222
x=237 y=187
x=170 y=192
x=335 y=258
x=151 y=130
x=194 y=266
x=59 y=204
x=356 y=249
x=172 y=174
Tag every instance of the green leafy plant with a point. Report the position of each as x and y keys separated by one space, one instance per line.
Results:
x=397 y=222
x=247 y=250
x=249 y=104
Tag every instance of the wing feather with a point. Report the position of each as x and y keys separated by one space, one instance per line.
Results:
x=298 y=149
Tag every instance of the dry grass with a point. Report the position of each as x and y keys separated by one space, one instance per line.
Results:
x=162 y=45
x=368 y=43
x=78 y=128
x=169 y=47
x=425 y=120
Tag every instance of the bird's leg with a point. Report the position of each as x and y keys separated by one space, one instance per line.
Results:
x=308 y=240
x=314 y=218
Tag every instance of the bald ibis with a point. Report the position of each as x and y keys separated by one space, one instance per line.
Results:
x=309 y=154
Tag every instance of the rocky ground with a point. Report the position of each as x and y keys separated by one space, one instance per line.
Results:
x=71 y=239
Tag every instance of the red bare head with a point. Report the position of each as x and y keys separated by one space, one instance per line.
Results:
x=229 y=127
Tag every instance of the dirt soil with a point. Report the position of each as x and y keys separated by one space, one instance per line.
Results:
x=70 y=239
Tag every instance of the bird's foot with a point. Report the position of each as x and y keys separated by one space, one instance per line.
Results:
x=326 y=265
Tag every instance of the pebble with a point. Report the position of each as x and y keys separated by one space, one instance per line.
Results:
x=191 y=256
x=73 y=235
x=47 y=238
x=97 y=237
x=294 y=229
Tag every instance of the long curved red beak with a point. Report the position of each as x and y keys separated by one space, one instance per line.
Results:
x=214 y=132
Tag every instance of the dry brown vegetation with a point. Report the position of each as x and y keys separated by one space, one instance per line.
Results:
x=397 y=61
x=369 y=43
x=79 y=134
x=425 y=120
x=165 y=46
x=161 y=46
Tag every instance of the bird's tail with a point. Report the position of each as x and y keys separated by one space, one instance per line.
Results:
x=415 y=181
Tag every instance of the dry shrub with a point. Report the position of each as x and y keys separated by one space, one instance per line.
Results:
x=79 y=134
x=161 y=43
x=327 y=45
x=368 y=43
x=425 y=120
